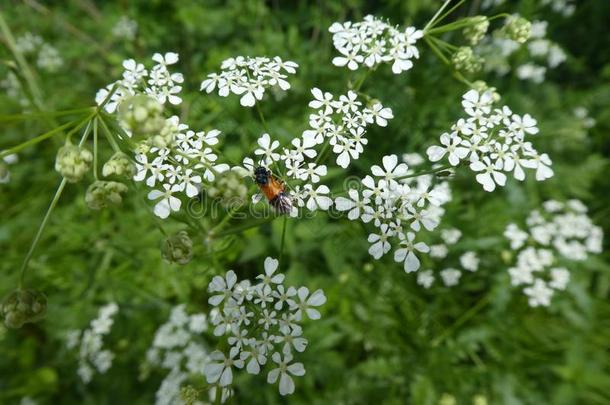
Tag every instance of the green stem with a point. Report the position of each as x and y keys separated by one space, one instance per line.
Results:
x=247 y=226
x=284 y=226
x=24 y=69
x=95 y=148
x=29 y=116
x=451 y=10
x=45 y=220
x=39 y=138
x=225 y=220
x=435 y=16
x=462 y=319
x=431 y=171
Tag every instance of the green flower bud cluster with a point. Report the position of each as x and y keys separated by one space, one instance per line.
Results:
x=475 y=32
x=142 y=115
x=23 y=306
x=119 y=165
x=73 y=162
x=166 y=136
x=228 y=188
x=464 y=59
x=481 y=87
x=177 y=248
x=102 y=194
x=517 y=28
x=189 y=394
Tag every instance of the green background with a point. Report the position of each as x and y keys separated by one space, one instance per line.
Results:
x=382 y=338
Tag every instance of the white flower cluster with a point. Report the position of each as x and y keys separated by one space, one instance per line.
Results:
x=47 y=56
x=180 y=159
x=562 y=230
x=178 y=348
x=260 y=322
x=158 y=83
x=91 y=355
x=125 y=28
x=493 y=142
x=342 y=122
x=181 y=167
x=469 y=261
x=372 y=42
x=399 y=206
x=249 y=77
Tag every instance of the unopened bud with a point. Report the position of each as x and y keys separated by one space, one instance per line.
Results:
x=517 y=28
x=177 y=248
x=23 y=306
x=141 y=115
x=119 y=165
x=464 y=59
x=102 y=194
x=73 y=162
x=475 y=32
x=229 y=188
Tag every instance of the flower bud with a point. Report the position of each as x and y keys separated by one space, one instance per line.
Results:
x=72 y=162
x=142 y=115
x=119 y=165
x=228 y=188
x=475 y=32
x=464 y=59
x=102 y=194
x=517 y=28
x=23 y=306
x=177 y=248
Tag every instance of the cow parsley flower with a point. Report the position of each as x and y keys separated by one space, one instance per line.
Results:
x=373 y=41
x=260 y=322
x=172 y=159
x=178 y=348
x=493 y=143
x=249 y=77
x=92 y=356
x=399 y=206
x=342 y=122
x=560 y=231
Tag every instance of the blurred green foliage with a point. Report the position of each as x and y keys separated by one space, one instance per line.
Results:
x=382 y=337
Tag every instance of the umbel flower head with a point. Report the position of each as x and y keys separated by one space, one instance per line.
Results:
x=119 y=165
x=399 y=205
x=260 y=322
x=493 y=141
x=72 y=162
x=102 y=194
x=92 y=356
x=561 y=231
x=174 y=160
x=177 y=248
x=372 y=42
x=249 y=77
x=23 y=306
x=141 y=115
